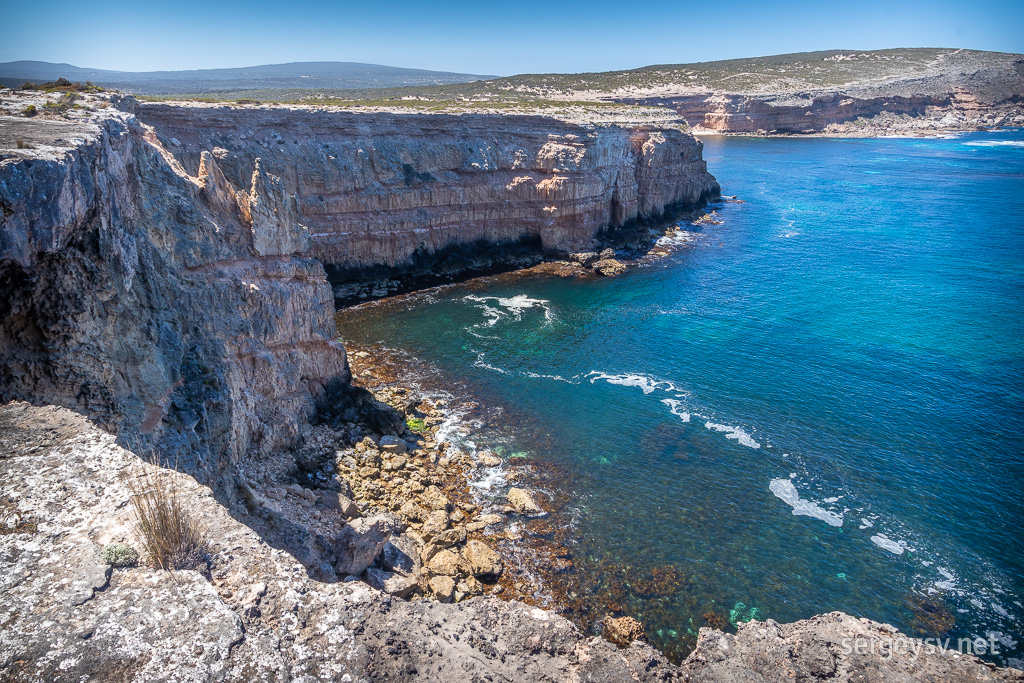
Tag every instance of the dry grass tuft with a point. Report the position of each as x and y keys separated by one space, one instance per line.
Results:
x=171 y=536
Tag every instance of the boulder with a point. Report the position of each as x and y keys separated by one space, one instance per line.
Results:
x=442 y=587
x=392 y=444
x=392 y=583
x=522 y=502
x=411 y=512
x=433 y=499
x=401 y=554
x=483 y=560
x=488 y=459
x=360 y=542
x=395 y=463
x=468 y=587
x=436 y=523
x=623 y=631
x=609 y=267
x=585 y=258
x=446 y=539
x=482 y=522
x=339 y=503
x=448 y=563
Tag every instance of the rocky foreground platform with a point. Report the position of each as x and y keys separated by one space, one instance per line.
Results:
x=256 y=614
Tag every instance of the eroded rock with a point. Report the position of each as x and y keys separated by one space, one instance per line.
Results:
x=360 y=542
x=623 y=631
x=522 y=502
x=609 y=267
x=483 y=560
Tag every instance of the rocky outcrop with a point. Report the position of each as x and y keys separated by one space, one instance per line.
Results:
x=391 y=192
x=130 y=293
x=957 y=91
x=844 y=112
x=832 y=647
x=255 y=614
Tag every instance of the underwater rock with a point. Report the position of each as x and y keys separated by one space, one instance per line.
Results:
x=623 y=631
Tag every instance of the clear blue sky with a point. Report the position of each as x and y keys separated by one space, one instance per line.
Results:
x=500 y=38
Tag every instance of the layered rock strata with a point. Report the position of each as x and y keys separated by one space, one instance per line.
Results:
x=841 y=113
x=165 y=273
x=392 y=192
x=130 y=295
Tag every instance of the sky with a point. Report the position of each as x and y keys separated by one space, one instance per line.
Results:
x=492 y=38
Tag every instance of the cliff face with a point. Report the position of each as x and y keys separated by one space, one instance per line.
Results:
x=128 y=295
x=838 y=112
x=388 y=190
x=164 y=273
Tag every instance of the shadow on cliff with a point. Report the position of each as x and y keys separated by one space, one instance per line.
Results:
x=292 y=498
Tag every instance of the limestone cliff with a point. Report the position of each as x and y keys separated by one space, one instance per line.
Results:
x=162 y=268
x=130 y=295
x=395 y=191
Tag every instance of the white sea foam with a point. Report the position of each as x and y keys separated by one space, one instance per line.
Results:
x=489 y=478
x=646 y=383
x=481 y=363
x=674 y=408
x=949 y=580
x=996 y=143
x=540 y=375
x=866 y=523
x=736 y=433
x=508 y=306
x=999 y=609
x=894 y=547
x=787 y=493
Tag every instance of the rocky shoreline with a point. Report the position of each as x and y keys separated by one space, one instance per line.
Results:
x=255 y=611
x=167 y=314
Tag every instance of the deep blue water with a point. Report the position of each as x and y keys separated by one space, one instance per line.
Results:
x=848 y=344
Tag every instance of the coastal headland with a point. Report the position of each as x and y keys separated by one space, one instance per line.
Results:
x=169 y=275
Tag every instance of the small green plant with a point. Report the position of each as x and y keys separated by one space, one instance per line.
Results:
x=416 y=424
x=120 y=555
x=171 y=536
x=29 y=111
x=65 y=103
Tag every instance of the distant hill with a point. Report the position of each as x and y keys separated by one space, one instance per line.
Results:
x=911 y=69
x=304 y=75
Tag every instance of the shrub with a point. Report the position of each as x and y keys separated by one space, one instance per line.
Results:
x=120 y=555
x=416 y=425
x=62 y=84
x=29 y=111
x=171 y=536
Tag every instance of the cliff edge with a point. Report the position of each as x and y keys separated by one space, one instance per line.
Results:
x=254 y=614
x=165 y=269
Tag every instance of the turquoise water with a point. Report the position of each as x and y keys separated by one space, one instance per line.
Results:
x=818 y=405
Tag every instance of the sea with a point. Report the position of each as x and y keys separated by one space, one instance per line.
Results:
x=814 y=402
